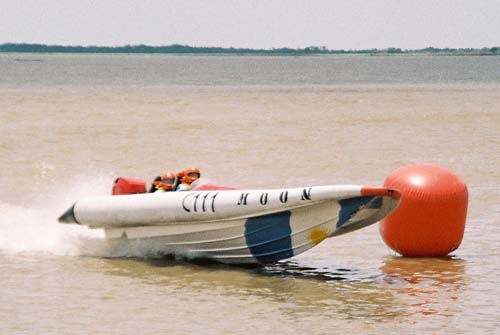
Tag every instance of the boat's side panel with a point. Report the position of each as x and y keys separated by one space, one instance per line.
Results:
x=263 y=238
x=174 y=207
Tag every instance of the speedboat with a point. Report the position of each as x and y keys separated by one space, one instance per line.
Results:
x=236 y=226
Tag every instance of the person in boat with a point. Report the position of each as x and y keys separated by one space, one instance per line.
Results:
x=163 y=183
x=188 y=177
x=178 y=179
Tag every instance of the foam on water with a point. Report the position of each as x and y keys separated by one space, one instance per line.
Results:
x=34 y=228
x=28 y=230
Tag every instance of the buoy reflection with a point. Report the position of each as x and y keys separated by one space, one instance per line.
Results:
x=426 y=285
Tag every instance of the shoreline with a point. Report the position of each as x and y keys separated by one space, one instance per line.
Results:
x=177 y=49
x=251 y=54
x=246 y=54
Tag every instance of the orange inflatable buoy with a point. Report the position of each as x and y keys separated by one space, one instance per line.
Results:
x=430 y=220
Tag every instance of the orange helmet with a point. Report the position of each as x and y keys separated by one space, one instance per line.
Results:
x=167 y=181
x=191 y=175
x=168 y=178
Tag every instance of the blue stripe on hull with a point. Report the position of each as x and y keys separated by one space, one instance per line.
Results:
x=349 y=207
x=268 y=237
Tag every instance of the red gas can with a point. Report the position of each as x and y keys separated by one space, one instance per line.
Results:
x=126 y=185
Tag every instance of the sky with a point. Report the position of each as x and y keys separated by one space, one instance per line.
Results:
x=335 y=24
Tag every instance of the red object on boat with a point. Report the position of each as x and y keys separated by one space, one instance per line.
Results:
x=126 y=185
x=211 y=187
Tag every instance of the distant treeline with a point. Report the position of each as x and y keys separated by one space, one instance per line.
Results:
x=184 y=49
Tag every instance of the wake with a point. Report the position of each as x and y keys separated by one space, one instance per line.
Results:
x=28 y=230
x=34 y=229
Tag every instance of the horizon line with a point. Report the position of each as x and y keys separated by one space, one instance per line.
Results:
x=180 y=48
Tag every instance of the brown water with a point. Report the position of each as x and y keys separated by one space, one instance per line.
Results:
x=71 y=137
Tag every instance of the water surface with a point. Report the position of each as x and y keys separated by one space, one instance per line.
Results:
x=70 y=124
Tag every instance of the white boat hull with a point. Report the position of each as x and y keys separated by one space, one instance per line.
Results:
x=240 y=226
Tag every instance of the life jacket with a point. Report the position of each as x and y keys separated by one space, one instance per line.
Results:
x=183 y=187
